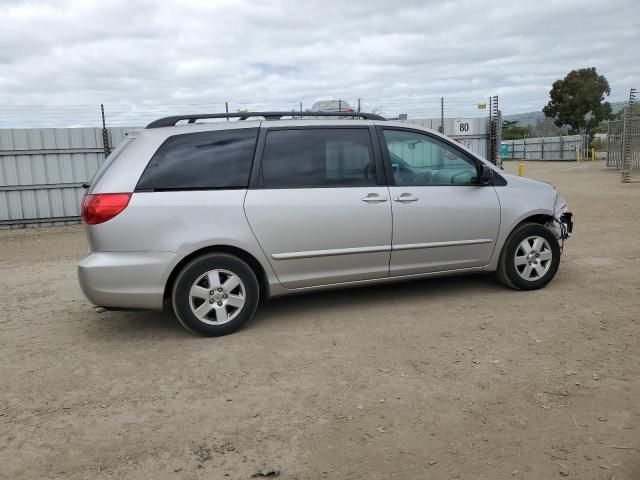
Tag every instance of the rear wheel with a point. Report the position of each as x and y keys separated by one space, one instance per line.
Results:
x=215 y=294
x=530 y=257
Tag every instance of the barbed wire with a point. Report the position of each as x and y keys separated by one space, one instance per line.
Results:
x=139 y=114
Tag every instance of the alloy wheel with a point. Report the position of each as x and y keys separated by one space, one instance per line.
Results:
x=217 y=297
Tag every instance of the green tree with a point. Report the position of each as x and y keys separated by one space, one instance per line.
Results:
x=511 y=130
x=578 y=100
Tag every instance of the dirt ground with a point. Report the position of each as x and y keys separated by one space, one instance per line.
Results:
x=435 y=379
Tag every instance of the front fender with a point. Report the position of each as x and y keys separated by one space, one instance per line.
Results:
x=520 y=199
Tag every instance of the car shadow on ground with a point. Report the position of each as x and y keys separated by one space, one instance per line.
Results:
x=283 y=309
x=134 y=324
x=277 y=312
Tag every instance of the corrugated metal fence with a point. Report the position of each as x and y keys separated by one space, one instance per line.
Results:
x=42 y=170
x=545 y=148
x=475 y=136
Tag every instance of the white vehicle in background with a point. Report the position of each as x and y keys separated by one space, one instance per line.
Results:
x=332 y=106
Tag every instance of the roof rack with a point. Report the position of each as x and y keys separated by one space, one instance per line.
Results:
x=171 y=121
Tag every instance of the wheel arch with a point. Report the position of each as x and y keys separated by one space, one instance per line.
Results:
x=540 y=217
x=506 y=270
x=243 y=255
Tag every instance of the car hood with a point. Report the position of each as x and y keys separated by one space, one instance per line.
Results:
x=546 y=192
x=523 y=182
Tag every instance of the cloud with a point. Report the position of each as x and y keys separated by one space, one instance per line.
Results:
x=155 y=57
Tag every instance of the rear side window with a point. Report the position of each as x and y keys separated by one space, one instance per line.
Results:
x=219 y=159
x=323 y=157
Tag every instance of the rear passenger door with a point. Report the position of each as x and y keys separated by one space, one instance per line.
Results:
x=318 y=205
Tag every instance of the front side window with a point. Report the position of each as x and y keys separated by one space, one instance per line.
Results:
x=202 y=160
x=418 y=159
x=319 y=157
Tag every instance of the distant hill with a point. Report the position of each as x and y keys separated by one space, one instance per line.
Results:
x=528 y=119
x=524 y=119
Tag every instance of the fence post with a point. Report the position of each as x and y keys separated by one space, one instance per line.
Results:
x=541 y=148
x=498 y=136
x=441 y=129
x=628 y=132
x=608 y=137
x=105 y=134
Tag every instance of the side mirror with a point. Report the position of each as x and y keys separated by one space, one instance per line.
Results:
x=486 y=174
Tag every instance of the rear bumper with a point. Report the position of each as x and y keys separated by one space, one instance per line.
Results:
x=125 y=279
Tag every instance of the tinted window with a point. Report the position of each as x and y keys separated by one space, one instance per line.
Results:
x=419 y=159
x=322 y=157
x=220 y=159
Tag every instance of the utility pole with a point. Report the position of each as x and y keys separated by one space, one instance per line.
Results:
x=105 y=134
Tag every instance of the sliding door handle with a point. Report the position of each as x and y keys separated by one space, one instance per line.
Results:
x=373 y=198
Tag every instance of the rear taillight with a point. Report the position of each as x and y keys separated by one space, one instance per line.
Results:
x=100 y=207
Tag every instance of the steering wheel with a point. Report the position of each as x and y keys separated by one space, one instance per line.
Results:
x=453 y=177
x=406 y=176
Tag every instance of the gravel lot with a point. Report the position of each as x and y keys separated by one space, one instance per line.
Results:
x=438 y=379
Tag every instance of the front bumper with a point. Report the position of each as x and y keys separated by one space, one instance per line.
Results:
x=125 y=279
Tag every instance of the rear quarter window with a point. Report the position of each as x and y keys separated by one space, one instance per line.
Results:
x=202 y=160
x=108 y=162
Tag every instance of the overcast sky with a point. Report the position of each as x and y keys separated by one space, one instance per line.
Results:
x=397 y=56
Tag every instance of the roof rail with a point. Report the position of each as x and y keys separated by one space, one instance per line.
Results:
x=171 y=121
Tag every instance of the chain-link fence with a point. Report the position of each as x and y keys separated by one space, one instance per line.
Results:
x=624 y=139
x=140 y=114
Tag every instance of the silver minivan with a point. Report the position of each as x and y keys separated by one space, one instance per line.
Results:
x=212 y=218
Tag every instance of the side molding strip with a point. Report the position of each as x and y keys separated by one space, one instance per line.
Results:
x=383 y=248
x=455 y=243
x=330 y=253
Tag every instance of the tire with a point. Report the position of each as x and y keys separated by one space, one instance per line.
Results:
x=215 y=294
x=523 y=269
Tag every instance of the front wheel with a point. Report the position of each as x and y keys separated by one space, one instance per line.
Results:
x=530 y=257
x=215 y=294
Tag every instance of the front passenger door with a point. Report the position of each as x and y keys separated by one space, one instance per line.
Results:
x=443 y=218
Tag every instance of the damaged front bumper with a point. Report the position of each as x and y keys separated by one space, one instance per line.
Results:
x=562 y=224
x=566 y=219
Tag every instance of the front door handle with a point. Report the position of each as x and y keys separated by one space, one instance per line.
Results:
x=405 y=198
x=373 y=198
